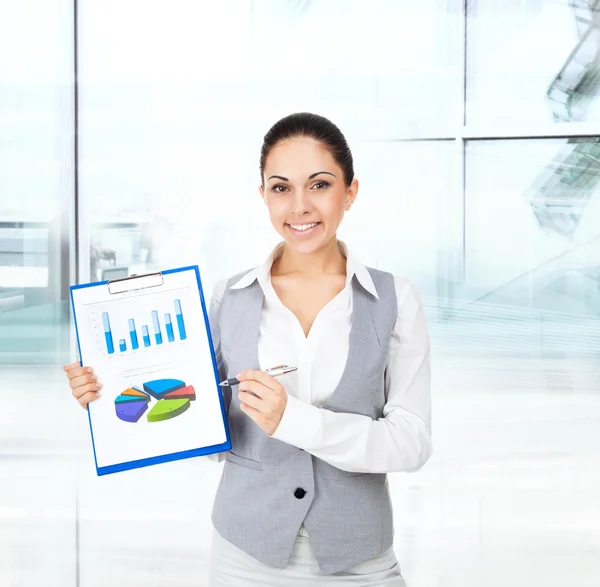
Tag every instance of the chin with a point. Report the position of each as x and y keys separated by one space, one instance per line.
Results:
x=308 y=247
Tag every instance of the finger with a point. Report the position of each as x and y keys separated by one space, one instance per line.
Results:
x=260 y=376
x=85 y=399
x=68 y=368
x=79 y=392
x=82 y=380
x=78 y=372
x=255 y=387
x=254 y=414
x=251 y=401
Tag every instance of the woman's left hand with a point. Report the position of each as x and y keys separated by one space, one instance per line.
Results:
x=268 y=403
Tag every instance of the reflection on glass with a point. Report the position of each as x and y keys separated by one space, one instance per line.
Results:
x=577 y=83
x=533 y=61
x=561 y=193
x=533 y=241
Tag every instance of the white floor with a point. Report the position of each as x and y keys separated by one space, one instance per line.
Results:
x=510 y=497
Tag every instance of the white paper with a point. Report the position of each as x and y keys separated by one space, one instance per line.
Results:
x=187 y=359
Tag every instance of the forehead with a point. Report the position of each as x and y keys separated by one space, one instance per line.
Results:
x=297 y=157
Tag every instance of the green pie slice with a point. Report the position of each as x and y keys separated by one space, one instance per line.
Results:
x=165 y=409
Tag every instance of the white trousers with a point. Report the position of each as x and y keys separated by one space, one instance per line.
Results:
x=232 y=567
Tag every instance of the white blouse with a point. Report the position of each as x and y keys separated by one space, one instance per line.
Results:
x=401 y=440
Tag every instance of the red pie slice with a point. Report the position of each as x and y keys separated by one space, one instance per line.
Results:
x=184 y=393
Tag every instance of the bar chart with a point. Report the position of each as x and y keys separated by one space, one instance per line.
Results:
x=145 y=336
x=133 y=335
x=147 y=340
x=110 y=347
x=156 y=324
x=169 y=325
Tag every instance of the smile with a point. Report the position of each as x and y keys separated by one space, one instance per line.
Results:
x=303 y=226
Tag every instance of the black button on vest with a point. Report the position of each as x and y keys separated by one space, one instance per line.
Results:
x=299 y=493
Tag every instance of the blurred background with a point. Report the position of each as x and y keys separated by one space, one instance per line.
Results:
x=130 y=133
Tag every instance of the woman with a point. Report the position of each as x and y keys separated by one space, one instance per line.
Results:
x=303 y=499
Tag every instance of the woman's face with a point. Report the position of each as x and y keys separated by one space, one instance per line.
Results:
x=305 y=192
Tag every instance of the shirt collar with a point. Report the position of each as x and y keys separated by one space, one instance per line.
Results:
x=353 y=268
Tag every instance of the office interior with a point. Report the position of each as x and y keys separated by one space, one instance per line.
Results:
x=130 y=134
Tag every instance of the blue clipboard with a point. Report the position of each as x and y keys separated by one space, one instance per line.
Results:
x=155 y=460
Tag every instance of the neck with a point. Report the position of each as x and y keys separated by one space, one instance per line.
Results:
x=327 y=260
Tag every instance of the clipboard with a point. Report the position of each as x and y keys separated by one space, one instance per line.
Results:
x=148 y=339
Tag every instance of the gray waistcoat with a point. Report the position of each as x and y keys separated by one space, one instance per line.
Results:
x=348 y=516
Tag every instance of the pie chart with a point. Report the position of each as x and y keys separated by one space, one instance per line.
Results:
x=173 y=398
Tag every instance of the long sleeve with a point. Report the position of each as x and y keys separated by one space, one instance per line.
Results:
x=401 y=440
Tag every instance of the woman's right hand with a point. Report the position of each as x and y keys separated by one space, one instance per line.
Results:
x=84 y=384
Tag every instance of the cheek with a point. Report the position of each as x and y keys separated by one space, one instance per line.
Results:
x=276 y=209
x=277 y=213
x=334 y=207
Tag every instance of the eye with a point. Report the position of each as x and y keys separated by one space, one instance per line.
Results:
x=321 y=185
x=279 y=188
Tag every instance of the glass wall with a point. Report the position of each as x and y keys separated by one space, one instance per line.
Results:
x=36 y=179
x=532 y=61
x=166 y=129
x=474 y=132
x=37 y=199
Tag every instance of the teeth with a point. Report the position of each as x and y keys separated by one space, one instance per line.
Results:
x=303 y=227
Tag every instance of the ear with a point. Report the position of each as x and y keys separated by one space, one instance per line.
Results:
x=351 y=193
x=261 y=191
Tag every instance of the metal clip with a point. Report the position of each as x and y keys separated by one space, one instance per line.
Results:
x=145 y=281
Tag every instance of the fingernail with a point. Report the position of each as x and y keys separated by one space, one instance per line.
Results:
x=94 y=378
x=99 y=386
x=90 y=370
x=97 y=394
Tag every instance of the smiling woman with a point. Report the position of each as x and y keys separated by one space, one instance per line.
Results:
x=315 y=444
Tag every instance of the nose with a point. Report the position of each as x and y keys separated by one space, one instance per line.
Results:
x=300 y=203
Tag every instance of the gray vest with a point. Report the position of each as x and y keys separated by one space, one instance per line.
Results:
x=268 y=488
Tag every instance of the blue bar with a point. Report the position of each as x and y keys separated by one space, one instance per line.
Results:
x=110 y=347
x=145 y=336
x=135 y=345
x=169 y=325
x=157 y=332
x=122 y=345
x=180 y=323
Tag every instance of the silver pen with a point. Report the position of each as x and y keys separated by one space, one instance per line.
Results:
x=273 y=372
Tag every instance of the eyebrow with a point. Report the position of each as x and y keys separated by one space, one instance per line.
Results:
x=313 y=175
